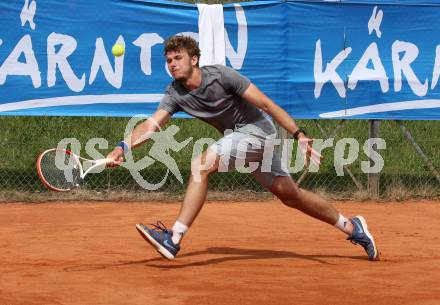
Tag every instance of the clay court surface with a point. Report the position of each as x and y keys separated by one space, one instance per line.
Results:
x=236 y=253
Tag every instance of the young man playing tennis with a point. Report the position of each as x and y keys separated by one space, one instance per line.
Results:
x=227 y=100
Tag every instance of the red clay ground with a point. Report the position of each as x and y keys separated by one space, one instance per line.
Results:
x=236 y=253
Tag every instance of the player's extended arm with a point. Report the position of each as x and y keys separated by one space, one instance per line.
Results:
x=254 y=96
x=140 y=134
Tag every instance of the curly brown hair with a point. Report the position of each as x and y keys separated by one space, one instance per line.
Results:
x=179 y=42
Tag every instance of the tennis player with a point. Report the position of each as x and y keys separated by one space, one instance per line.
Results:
x=227 y=100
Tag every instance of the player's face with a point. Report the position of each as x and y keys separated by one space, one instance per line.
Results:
x=180 y=64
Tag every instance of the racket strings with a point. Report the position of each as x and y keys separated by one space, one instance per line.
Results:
x=60 y=172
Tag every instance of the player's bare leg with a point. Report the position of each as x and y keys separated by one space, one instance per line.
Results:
x=201 y=168
x=311 y=204
x=315 y=206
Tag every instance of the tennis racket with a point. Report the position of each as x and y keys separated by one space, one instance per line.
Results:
x=61 y=170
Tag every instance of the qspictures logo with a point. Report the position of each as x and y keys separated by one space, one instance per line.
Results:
x=235 y=156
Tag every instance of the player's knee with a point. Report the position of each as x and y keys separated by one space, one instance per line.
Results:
x=288 y=193
x=291 y=199
x=201 y=170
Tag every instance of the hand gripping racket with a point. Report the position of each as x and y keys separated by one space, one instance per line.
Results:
x=61 y=170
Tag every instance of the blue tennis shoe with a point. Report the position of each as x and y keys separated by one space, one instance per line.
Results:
x=160 y=238
x=362 y=236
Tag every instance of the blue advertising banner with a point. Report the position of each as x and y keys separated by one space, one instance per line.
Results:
x=316 y=59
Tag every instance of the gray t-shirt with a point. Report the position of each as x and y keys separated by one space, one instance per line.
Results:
x=217 y=101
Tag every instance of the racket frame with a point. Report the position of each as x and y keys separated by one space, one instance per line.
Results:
x=95 y=164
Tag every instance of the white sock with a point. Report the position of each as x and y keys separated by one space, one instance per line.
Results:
x=179 y=229
x=344 y=225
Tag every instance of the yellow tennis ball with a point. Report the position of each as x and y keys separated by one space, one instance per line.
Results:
x=118 y=50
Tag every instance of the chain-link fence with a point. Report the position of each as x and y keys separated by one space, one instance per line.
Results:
x=405 y=174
